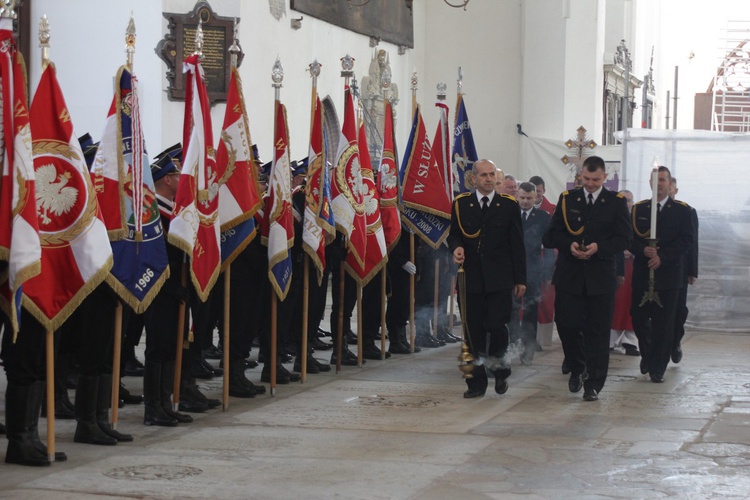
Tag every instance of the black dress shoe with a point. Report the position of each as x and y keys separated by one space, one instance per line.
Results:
x=213 y=352
x=250 y=364
x=351 y=338
x=657 y=378
x=631 y=350
x=311 y=367
x=128 y=397
x=473 y=393
x=265 y=375
x=323 y=367
x=427 y=341
x=218 y=372
x=676 y=354
x=447 y=337
x=501 y=385
x=348 y=358
x=644 y=366
x=293 y=377
x=131 y=368
x=323 y=333
x=319 y=345
x=199 y=370
x=590 y=394
x=576 y=381
x=398 y=348
x=565 y=367
x=371 y=351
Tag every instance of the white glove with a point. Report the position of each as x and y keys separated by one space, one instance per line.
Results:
x=409 y=267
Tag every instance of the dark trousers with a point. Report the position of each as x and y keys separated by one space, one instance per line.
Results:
x=523 y=320
x=486 y=317
x=248 y=289
x=96 y=316
x=25 y=360
x=654 y=327
x=680 y=316
x=397 y=310
x=583 y=323
x=334 y=257
x=160 y=320
x=371 y=302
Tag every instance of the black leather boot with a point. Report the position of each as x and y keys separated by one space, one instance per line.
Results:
x=167 y=384
x=18 y=414
x=87 y=430
x=37 y=395
x=153 y=413
x=239 y=386
x=189 y=391
x=103 y=403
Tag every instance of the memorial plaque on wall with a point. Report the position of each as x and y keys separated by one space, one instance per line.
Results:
x=179 y=42
x=389 y=20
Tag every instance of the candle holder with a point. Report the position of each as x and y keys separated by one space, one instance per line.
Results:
x=651 y=295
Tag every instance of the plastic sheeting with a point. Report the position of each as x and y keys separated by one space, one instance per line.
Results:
x=713 y=177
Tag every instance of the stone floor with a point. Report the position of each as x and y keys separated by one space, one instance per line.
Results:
x=400 y=429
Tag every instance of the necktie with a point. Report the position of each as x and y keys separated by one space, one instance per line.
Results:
x=591 y=200
x=524 y=215
x=485 y=203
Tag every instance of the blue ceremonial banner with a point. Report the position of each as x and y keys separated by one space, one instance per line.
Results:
x=125 y=190
x=234 y=238
x=464 y=151
x=431 y=228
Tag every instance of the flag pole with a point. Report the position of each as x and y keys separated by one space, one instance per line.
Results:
x=449 y=186
x=277 y=76
x=412 y=256
x=360 y=329
x=44 y=36
x=459 y=94
x=234 y=50
x=181 y=311
x=117 y=351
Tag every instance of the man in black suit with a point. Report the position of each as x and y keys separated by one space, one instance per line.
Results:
x=654 y=316
x=539 y=262
x=690 y=272
x=487 y=239
x=589 y=227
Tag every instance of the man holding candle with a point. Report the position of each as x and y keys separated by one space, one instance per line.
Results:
x=589 y=227
x=663 y=234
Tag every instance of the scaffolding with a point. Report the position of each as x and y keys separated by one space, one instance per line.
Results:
x=731 y=85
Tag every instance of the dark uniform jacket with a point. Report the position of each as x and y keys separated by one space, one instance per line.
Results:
x=675 y=234
x=607 y=224
x=492 y=242
x=539 y=261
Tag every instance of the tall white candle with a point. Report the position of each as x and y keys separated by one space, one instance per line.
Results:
x=654 y=199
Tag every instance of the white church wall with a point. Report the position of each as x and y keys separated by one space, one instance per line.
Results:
x=88 y=47
x=485 y=41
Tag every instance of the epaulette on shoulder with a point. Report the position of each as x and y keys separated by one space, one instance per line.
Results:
x=566 y=193
x=620 y=195
x=642 y=201
x=508 y=196
x=463 y=195
x=682 y=203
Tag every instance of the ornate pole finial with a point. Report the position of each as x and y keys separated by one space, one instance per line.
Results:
x=44 y=36
x=354 y=87
x=314 y=68
x=414 y=80
x=8 y=9
x=442 y=88
x=277 y=74
x=460 y=81
x=199 y=39
x=130 y=40
x=234 y=49
x=347 y=66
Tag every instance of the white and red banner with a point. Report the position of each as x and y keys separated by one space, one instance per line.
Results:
x=195 y=225
x=388 y=183
x=426 y=207
x=316 y=231
x=19 y=228
x=376 y=254
x=347 y=188
x=76 y=255
x=441 y=149
x=278 y=227
x=239 y=192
